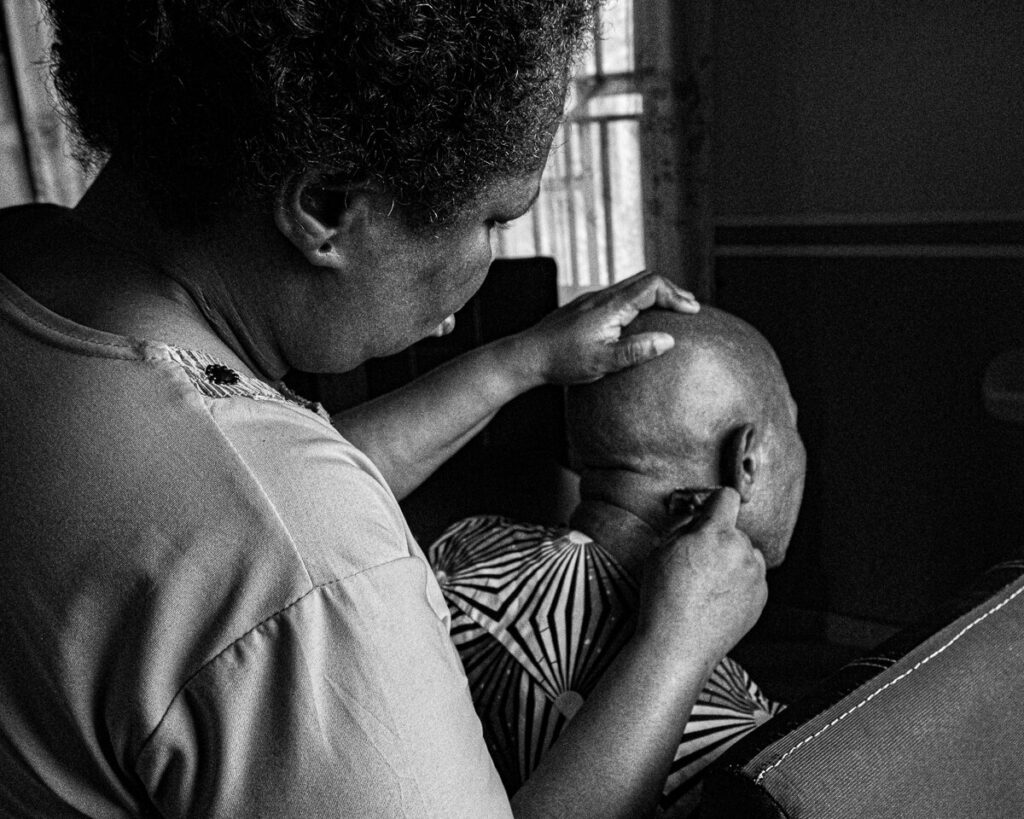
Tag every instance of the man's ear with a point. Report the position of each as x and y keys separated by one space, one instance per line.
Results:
x=740 y=461
x=314 y=212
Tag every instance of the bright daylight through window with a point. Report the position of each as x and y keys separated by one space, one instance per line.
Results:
x=589 y=214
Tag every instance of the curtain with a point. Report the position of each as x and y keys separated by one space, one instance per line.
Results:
x=35 y=150
x=673 y=58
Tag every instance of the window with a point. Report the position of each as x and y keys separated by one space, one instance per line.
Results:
x=589 y=214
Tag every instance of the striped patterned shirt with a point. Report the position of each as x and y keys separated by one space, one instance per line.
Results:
x=538 y=613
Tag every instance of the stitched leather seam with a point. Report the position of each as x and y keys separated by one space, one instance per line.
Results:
x=889 y=684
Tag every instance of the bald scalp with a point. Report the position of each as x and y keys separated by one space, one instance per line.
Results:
x=676 y=408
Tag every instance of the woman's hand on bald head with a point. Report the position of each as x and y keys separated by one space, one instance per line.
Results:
x=583 y=340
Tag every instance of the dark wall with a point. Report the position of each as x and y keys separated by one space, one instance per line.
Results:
x=868 y=106
x=840 y=130
x=912 y=488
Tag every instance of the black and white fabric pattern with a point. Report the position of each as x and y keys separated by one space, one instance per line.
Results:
x=538 y=613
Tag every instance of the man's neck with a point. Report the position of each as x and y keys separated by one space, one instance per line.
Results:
x=625 y=510
x=627 y=537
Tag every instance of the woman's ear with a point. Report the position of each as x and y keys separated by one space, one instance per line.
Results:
x=313 y=212
x=740 y=461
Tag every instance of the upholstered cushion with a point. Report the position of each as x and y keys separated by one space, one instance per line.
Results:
x=929 y=725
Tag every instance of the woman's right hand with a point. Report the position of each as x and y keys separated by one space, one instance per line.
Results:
x=702 y=591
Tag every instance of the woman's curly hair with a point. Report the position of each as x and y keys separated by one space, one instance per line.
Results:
x=431 y=100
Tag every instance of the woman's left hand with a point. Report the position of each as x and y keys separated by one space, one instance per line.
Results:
x=582 y=340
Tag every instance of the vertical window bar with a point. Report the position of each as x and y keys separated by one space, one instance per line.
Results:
x=606 y=194
x=538 y=230
x=570 y=204
x=588 y=198
x=556 y=228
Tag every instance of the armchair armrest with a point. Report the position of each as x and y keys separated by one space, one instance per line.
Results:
x=929 y=724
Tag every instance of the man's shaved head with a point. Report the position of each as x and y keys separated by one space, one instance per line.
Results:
x=721 y=370
x=676 y=421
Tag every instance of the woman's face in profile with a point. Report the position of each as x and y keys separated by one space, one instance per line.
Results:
x=402 y=284
x=444 y=268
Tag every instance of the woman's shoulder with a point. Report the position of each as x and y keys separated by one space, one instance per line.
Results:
x=333 y=504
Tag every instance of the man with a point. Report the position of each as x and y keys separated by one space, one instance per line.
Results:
x=538 y=612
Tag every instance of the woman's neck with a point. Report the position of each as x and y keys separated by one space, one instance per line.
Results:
x=168 y=284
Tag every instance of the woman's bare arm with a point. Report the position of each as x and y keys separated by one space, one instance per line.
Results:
x=410 y=432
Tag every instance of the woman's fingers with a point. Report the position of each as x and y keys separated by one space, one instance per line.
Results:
x=629 y=298
x=583 y=340
x=721 y=510
x=637 y=349
x=646 y=290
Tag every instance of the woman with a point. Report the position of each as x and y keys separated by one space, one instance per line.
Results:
x=210 y=602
